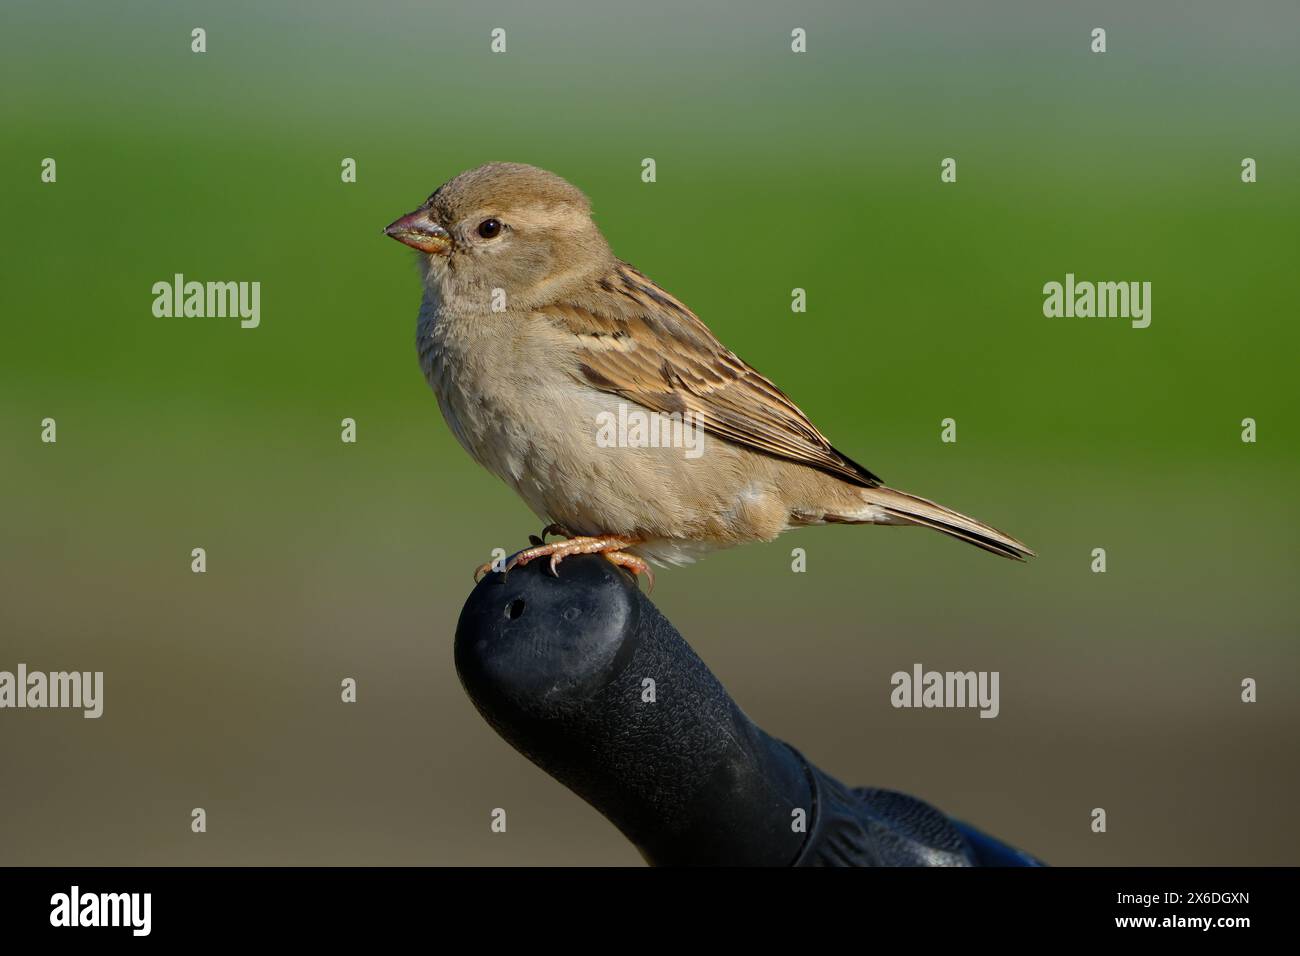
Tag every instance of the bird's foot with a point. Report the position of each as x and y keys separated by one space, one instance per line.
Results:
x=638 y=566
x=611 y=546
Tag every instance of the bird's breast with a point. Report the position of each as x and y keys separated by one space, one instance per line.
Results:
x=501 y=392
x=507 y=389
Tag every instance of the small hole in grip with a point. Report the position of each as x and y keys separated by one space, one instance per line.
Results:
x=515 y=608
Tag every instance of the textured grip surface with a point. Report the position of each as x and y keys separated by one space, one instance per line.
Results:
x=560 y=667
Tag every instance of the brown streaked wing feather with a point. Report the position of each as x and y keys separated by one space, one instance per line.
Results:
x=639 y=342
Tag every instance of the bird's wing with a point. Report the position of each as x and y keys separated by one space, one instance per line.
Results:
x=637 y=341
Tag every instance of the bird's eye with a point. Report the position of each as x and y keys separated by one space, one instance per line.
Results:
x=489 y=228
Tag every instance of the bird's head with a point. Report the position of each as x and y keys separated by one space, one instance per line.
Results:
x=503 y=226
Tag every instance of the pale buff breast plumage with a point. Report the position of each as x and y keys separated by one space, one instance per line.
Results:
x=504 y=386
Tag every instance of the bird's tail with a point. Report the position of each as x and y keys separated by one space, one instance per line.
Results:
x=898 y=507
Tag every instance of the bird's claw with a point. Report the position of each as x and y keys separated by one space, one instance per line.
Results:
x=612 y=547
x=638 y=567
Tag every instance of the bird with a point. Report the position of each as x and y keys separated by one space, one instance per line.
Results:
x=536 y=339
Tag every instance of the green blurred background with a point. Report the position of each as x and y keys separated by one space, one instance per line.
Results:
x=775 y=170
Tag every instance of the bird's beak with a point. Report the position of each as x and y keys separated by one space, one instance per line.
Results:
x=419 y=231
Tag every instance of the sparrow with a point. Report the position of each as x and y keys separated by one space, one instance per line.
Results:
x=534 y=337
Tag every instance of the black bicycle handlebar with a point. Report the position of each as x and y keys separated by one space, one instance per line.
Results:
x=582 y=675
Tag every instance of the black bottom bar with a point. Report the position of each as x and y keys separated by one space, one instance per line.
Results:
x=333 y=904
